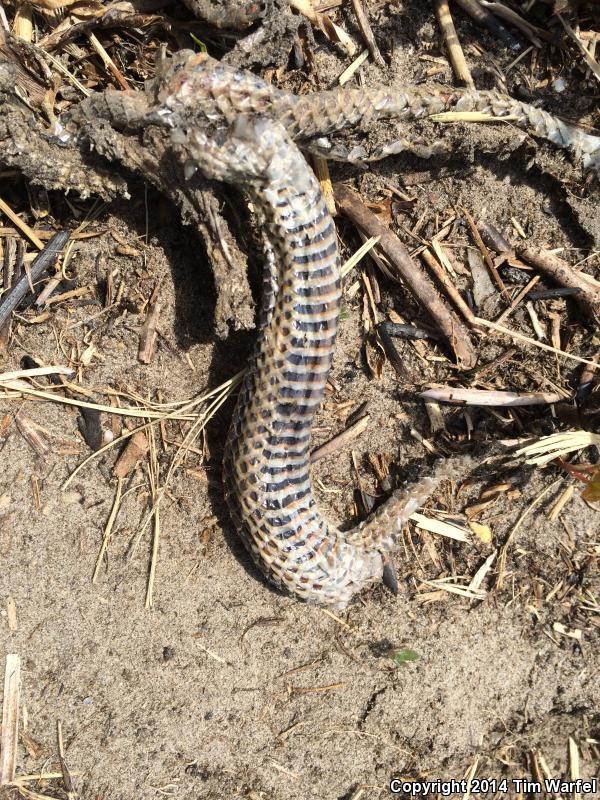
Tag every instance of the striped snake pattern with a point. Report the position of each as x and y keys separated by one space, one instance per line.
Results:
x=236 y=128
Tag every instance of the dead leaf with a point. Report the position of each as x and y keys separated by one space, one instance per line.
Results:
x=591 y=493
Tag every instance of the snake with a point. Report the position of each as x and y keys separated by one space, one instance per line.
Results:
x=237 y=128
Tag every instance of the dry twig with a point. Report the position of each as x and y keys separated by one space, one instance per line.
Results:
x=455 y=51
x=483 y=397
x=10 y=719
x=410 y=273
x=367 y=32
x=341 y=440
x=149 y=332
x=560 y=272
x=22 y=226
x=484 y=16
x=484 y=252
x=451 y=291
x=44 y=260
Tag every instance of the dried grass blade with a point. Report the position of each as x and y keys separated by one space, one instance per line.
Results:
x=454 y=588
x=35 y=372
x=108 y=529
x=362 y=251
x=520 y=337
x=10 y=719
x=559 y=444
x=439 y=527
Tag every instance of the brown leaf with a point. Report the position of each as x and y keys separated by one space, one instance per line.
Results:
x=591 y=493
x=383 y=209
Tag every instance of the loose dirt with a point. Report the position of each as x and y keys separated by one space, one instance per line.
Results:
x=226 y=688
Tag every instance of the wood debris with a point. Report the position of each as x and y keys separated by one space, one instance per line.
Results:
x=9 y=736
x=149 y=332
x=406 y=269
x=136 y=450
x=483 y=397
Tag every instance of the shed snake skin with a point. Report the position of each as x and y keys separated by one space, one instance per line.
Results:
x=235 y=127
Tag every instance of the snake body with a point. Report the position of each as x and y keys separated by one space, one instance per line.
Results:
x=237 y=128
x=266 y=461
x=207 y=91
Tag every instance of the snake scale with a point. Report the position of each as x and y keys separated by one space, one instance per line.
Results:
x=235 y=127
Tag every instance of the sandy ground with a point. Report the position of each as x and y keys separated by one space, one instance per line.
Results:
x=225 y=688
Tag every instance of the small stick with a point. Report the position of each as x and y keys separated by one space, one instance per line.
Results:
x=588 y=372
x=81 y=291
x=403 y=331
x=385 y=331
x=149 y=332
x=48 y=290
x=484 y=17
x=455 y=52
x=21 y=265
x=533 y=33
x=62 y=69
x=535 y=322
x=39 y=265
x=389 y=349
x=10 y=719
x=108 y=529
x=552 y=294
x=562 y=273
x=22 y=226
x=451 y=291
x=555 y=320
x=493 y=238
x=410 y=272
x=108 y=62
x=3 y=19
x=45 y=236
x=574 y=770
x=66 y=775
x=322 y=172
x=483 y=397
x=484 y=252
x=8 y=261
x=136 y=449
x=561 y=503
x=523 y=293
x=35 y=372
x=153 y=481
x=520 y=337
x=341 y=440
x=32 y=433
x=332 y=31
x=353 y=68
x=591 y=62
x=367 y=32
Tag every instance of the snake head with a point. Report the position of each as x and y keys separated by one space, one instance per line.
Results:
x=251 y=152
